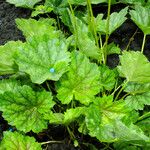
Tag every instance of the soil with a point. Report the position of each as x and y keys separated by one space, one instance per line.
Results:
x=122 y=36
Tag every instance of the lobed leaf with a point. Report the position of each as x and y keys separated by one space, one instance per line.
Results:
x=17 y=141
x=72 y=114
x=134 y=67
x=24 y=3
x=116 y=20
x=107 y=78
x=81 y=81
x=24 y=108
x=7 y=65
x=43 y=58
x=139 y=95
x=8 y=85
x=31 y=27
x=141 y=16
x=101 y=115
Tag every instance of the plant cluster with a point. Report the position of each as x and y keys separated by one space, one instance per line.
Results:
x=63 y=63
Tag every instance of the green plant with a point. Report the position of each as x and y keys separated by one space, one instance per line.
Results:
x=105 y=103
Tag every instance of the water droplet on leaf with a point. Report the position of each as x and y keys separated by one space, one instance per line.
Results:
x=52 y=70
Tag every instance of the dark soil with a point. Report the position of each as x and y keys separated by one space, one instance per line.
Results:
x=122 y=37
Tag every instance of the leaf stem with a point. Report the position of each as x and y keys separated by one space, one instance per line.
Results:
x=74 y=24
x=51 y=142
x=92 y=21
x=107 y=32
x=147 y=115
x=143 y=44
x=131 y=39
x=123 y=86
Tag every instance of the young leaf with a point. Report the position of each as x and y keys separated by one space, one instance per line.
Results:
x=8 y=85
x=24 y=108
x=134 y=67
x=43 y=58
x=17 y=141
x=112 y=49
x=24 y=3
x=139 y=95
x=54 y=118
x=29 y=27
x=7 y=51
x=100 y=116
x=73 y=113
x=141 y=16
x=41 y=9
x=81 y=81
x=107 y=78
x=83 y=37
x=116 y=20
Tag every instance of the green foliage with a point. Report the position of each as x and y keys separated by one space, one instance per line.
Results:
x=7 y=65
x=14 y=141
x=80 y=82
x=24 y=108
x=24 y=3
x=141 y=16
x=129 y=69
x=29 y=27
x=8 y=85
x=116 y=20
x=63 y=62
x=107 y=78
x=48 y=54
x=139 y=95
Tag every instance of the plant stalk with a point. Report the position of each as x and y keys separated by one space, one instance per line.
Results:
x=143 y=44
x=107 y=32
x=92 y=21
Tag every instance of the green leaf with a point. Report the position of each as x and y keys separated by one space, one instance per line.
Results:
x=129 y=133
x=24 y=108
x=135 y=2
x=116 y=20
x=17 y=141
x=41 y=9
x=31 y=27
x=23 y=3
x=112 y=49
x=83 y=37
x=131 y=145
x=54 y=118
x=139 y=95
x=101 y=115
x=81 y=81
x=141 y=16
x=107 y=78
x=8 y=85
x=44 y=58
x=72 y=114
x=145 y=125
x=7 y=51
x=134 y=67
